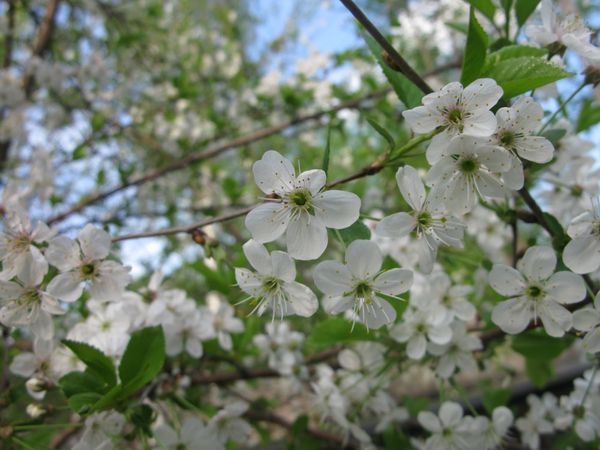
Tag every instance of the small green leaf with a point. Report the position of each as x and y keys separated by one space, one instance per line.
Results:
x=357 y=230
x=96 y=361
x=519 y=75
x=82 y=403
x=554 y=135
x=536 y=344
x=415 y=404
x=539 y=371
x=336 y=331
x=509 y=52
x=492 y=398
x=81 y=382
x=475 y=51
x=524 y=9
x=486 y=7
x=97 y=121
x=143 y=358
x=588 y=116
x=383 y=132
x=407 y=92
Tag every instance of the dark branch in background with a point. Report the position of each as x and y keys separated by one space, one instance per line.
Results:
x=9 y=37
x=40 y=45
x=398 y=62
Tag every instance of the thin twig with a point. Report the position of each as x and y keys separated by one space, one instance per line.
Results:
x=9 y=37
x=398 y=61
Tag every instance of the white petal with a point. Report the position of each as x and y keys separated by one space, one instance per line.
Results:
x=95 y=243
x=268 y=221
x=302 y=299
x=411 y=187
x=274 y=173
x=422 y=119
x=258 y=257
x=394 y=281
x=481 y=94
x=306 y=237
x=582 y=254
x=565 y=287
x=379 y=313
x=248 y=282
x=10 y=291
x=514 y=178
x=586 y=319
x=415 y=349
x=24 y=364
x=336 y=305
x=556 y=318
x=332 y=278
x=313 y=180
x=538 y=263
x=502 y=418
x=505 y=280
x=349 y=360
x=193 y=347
x=488 y=185
x=63 y=253
x=396 y=225
x=496 y=159
x=363 y=258
x=483 y=124
x=450 y=414
x=512 y=315
x=283 y=266
x=440 y=334
x=34 y=267
x=337 y=209
x=66 y=286
x=429 y=421
x=591 y=341
x=535 y=148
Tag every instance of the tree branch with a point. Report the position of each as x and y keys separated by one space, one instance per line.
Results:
x=9 y=37
x=399 y=63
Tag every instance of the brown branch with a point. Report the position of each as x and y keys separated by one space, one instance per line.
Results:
x=266 y=416
x=398 y=63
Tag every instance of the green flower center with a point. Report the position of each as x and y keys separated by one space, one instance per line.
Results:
x=270 y=284
x=534 y=292
x=455 y=116
x=576 y=191
x=424 y=219
x=468 y=165
x=507 y=138
x=363 y=290
x=87 y=270
x=300 y=197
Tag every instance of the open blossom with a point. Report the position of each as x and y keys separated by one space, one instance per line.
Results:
x=359 y=284
x=588 y=320
x=468 y=169
x=303 y=210
x=458 y=110
x=84 y=262
x=449 y=430
x=223 y=320
x=458 y=353
x=192 y=434
x=582 y=253
x=432 y=228
x=273 y=286
x=517 y=133
x=535 y=291
x=17 y=250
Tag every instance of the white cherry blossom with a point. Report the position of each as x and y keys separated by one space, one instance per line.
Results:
x=458 y=110
x=273 y=286
x=449 y=430
x=223 y=320
x=360 y=286
x=588 y=320
x=304 y=211
x=582 y=253
x=467 y=169
x=431 y=227
x=456 y=354
x=83 y=262
x=535 y=291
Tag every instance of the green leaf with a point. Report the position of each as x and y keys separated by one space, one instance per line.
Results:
x=509 y=52
x=475 y=51
x=559 y=237
x=486 y=7
x=143 y=358
x=357 y=230
x=97 y=121
x=554 y=135
x=336 y=331
x=536 y=344
x=394 y=439
x=81 y=382
x=519 y=75
x=82 y=403
x=415 y=404
x=300 y=438
x=96 y=361
x=407 y=92
x=325 y=165
x=539 y=371
x=142 y=417
x=383 y=132
x=524 y=9
x=588 y=116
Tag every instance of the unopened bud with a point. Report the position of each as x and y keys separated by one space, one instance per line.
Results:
x=199 y=236
x=592 y=75
x=36 y=385
x=35 y=410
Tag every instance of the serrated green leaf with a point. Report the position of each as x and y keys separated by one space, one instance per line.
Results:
x=475 y=51
x=459 y=26
x=336 y=331
x=96 y=361
x=524 y=9
x=519 y=75
x=383 y=132
x=357 y=230
x=588 y=116
x=81 y=382
x=407 y=92
x=536 y=344
x=143 y=358
x=486 y=7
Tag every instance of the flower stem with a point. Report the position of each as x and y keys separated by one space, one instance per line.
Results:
x=589 y=386
x=561 y=107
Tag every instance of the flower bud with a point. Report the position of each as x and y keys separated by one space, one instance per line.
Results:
x=36 y=385
x=35 y=410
